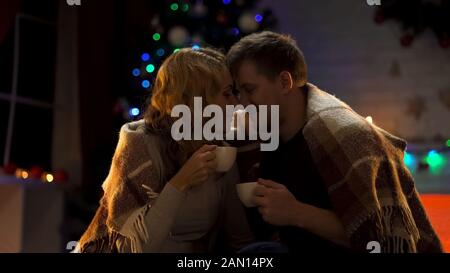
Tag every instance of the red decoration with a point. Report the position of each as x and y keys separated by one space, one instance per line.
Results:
x=423 y=166
x=36 y=172
x=445 y=42
x=222 y=19
x=10 y=168
x=60 y=176
x=407 y=40
x=118 y=108
x=379 y=17
x=417 y=17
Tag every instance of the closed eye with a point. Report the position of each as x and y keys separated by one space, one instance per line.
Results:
x=248 y=88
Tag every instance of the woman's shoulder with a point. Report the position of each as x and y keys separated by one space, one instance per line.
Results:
x=133 y=129
x=136 y=143
x=137 y=149
x=135 y=133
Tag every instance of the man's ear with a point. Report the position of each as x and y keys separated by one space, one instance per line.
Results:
x=286 y=81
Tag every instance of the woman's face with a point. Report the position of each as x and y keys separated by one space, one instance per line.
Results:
x=225 y=95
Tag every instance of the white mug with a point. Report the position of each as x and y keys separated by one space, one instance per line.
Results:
x=225 y=157
x=245 y=192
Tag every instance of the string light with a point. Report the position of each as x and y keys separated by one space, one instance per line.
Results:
x=409 y=160
x=434 y=160
x=369 y=119
x=195 y=47
x=176 y=50
x=235 y=31
x=156 y=36
x=145 y=56
x=447 y=143
x=134 y=112
x=24 y=174
x=226 y=2
x=174 y=6
x=145 y=84
x=258 y=18
x=185 y=7
x=160 y=52
x=136 y=72
x=150 y=68
x=21 y=173
x=47 y=177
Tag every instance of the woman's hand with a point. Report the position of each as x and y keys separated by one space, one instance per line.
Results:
x=199 y=167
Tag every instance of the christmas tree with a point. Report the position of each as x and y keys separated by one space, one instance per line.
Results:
x=186 y=23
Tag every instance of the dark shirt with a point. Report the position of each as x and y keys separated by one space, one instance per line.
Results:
x=292 y=165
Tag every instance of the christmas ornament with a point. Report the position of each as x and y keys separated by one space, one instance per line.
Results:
x=248 y=23
x=178 y=36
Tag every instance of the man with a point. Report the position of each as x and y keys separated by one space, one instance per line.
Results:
x=336 y=182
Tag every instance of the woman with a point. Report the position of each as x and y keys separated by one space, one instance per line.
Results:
x=162 y=195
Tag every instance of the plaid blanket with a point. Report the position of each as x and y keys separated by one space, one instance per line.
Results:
x=371 y=190
x=131 y=188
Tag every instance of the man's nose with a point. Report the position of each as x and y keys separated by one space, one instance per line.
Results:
x=234 y=100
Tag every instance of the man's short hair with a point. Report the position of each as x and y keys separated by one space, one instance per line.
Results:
x=271 y=53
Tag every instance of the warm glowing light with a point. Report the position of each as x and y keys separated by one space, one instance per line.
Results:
x=49 y=178
x=19 y=173
x=369 y=119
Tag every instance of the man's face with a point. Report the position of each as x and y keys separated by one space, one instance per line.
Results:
x=256 y=88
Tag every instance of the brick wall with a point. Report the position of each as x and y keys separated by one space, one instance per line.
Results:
x=352 y=57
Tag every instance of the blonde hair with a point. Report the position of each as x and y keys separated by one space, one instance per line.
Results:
x=184 y=75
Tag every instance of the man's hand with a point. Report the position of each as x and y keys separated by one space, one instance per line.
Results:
x=276 y=203
x=279 y=207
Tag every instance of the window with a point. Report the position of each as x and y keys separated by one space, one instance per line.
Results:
x=27 y=80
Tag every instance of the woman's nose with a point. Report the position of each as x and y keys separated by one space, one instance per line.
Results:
x=234 y=100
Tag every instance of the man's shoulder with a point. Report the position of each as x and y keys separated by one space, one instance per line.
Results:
x=326 y=111
x=319 y=101
x=336 y=123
